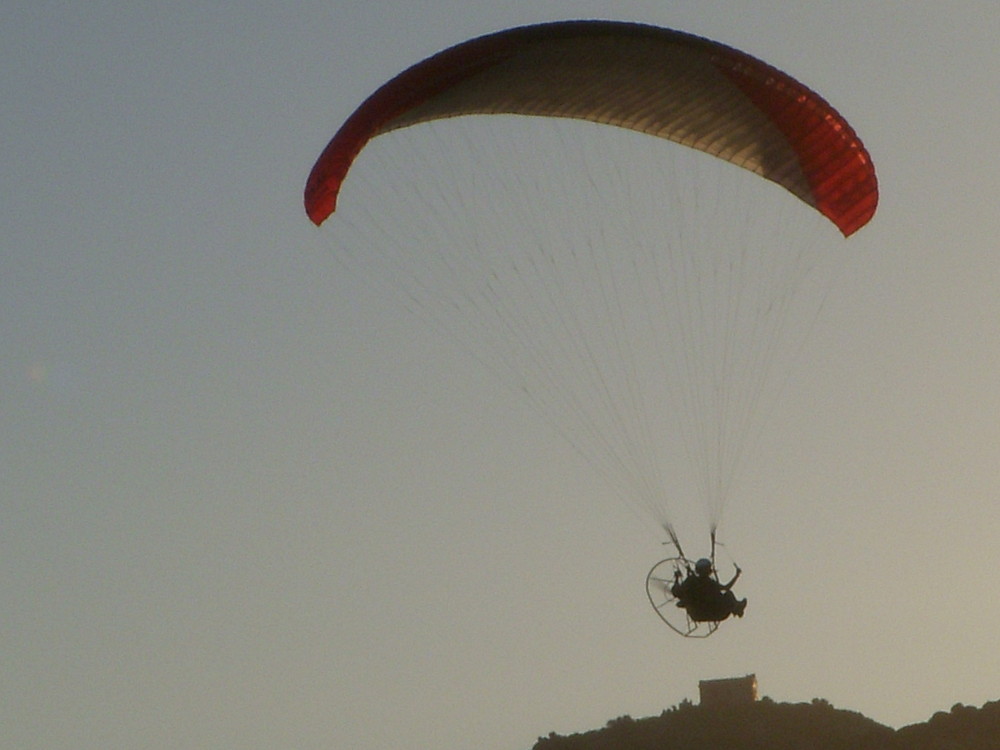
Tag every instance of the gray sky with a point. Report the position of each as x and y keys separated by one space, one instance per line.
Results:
x=246 y=504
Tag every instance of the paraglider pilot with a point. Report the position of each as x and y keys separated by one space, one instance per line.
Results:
x=704 y=597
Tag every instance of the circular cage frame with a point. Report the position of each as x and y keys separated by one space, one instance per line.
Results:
x=659 y=581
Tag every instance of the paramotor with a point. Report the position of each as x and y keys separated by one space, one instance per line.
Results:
x=660 y=584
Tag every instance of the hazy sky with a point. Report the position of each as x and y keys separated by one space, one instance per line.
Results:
x=246 y=505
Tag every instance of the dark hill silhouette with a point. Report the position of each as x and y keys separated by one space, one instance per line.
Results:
x=964 y=728
x=767 y=725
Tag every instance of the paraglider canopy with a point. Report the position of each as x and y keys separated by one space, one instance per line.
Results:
x=666 y=83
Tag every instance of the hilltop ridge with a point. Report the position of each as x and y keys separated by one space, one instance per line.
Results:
x=769 y=725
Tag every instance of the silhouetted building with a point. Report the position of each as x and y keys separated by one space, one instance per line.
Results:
x=732 y=691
